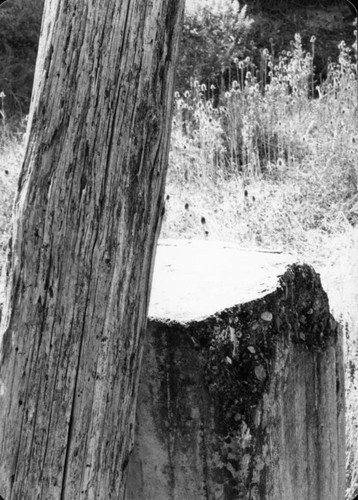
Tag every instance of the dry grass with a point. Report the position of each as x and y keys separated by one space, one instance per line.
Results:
x=11 y=154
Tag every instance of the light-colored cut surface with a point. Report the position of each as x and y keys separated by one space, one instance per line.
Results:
x=194 y=279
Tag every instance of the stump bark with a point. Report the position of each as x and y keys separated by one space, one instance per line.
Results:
x=244 y=401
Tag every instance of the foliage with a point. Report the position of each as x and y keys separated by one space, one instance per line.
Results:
x=20 y=22
x=280 y=5
x=213 y=34
x=275 y=133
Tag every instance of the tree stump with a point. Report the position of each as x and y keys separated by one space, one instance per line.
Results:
x=241 y=394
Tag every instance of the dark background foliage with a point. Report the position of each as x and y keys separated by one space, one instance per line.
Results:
x=20 y=23
x=209 y=42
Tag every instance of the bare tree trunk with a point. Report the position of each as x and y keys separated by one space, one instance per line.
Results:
x=87 y=218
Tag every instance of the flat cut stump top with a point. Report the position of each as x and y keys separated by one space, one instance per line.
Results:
x=194 y=279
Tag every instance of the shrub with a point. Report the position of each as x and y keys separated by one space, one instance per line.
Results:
x=20 y=22
x=213 y=34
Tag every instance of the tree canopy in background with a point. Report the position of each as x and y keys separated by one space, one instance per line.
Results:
x=214 y=33
x=20 y=23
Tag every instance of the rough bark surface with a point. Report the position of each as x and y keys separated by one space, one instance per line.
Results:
x=247 y=403
x=87 y=218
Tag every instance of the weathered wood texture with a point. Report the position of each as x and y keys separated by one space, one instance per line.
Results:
x=247 y=403
x=87 y=218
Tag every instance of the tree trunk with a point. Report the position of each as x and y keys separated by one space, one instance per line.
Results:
x=87 y=218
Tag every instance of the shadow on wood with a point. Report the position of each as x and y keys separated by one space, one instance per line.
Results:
x=243 y=401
